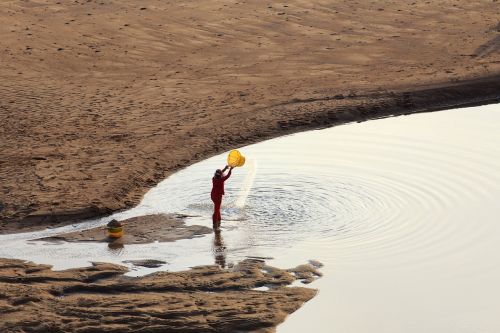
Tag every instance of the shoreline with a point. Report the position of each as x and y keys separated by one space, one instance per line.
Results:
x=100 y=298
x=300 y=115
x=99 y=103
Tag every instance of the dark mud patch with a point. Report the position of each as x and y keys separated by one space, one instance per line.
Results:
x=148 y=263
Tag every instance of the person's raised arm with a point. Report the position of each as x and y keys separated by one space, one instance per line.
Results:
x=228 y=174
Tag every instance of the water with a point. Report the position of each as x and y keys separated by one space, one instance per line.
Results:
x=403 y=212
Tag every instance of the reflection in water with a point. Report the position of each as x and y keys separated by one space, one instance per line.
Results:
x=219 y=250
x=403 y=213
x=116 y=247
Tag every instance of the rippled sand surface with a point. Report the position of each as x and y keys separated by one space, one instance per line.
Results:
x=101 y=100
x=403 y=213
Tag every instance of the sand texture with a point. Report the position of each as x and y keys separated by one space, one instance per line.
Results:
x=139 y=230
x=33 y=298
x=100 y=100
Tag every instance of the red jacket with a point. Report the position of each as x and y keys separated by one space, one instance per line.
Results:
x=218 y=185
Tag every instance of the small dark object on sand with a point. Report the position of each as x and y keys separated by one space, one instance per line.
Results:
x=115 y=229
x=148 y=263
x=114 y=224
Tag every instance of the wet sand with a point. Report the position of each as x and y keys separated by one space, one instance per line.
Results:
x=139 y=230
x=33 y=298
x=99 y=101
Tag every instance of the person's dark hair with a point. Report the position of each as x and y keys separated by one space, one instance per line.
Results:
x=218 y=173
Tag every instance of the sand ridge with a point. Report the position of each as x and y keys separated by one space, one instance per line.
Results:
x=99 y=298
x=100 y=100
x=139 y=230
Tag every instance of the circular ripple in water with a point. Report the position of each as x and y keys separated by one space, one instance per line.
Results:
x=409 y=194
x=390 y=186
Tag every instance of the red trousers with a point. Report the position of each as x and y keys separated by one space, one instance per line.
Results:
x=217 y=199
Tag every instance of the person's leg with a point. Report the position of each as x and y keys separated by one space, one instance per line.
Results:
x=218 y=211
x=218 y=204
x=216 y=216
x=219 y=217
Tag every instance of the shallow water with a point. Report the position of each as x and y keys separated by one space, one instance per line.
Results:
x=402 y=212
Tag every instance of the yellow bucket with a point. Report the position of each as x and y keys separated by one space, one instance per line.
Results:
x=118 y=234
x=115 y=232
x=235 y=159
x=241 y=161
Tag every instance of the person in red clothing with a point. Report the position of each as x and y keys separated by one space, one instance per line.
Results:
x=217 y=193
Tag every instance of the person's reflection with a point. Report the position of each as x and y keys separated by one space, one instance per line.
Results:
x=219 y=250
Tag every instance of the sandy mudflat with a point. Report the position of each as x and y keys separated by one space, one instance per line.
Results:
x=100 y=100
x=33 y=298
x=139 y=230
